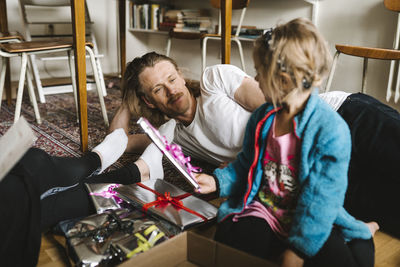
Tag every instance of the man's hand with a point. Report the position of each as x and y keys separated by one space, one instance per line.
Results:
x=137 y=143
x=291 y=259
x=206 y=182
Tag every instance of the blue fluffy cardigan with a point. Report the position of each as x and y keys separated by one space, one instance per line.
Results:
x=325 y=155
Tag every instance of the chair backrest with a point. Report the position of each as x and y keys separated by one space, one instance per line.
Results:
x=393 y=5
x=236 y=4
x=46 y=2
x=26 y=5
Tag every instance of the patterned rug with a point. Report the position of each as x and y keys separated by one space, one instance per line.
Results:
x=58 y=134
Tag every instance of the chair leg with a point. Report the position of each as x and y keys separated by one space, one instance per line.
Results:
x=32 y=97
x=35 y=71
x=239 y=44
x=397 y=93
x=390 y=81
x=203 y=53
x=364 y=80
x=99 y=90
x=73 y=81
x=98 y=63
x=2 y=78
x=332 y=72
x=168 y=49
x=101 y=76
x=24 y=61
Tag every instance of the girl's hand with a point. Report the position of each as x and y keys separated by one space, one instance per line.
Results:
x=291 y=259
x=206 y=182
x=223 y=165
x=373 y=227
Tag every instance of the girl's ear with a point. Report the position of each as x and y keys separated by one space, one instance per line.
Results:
x=148 y=103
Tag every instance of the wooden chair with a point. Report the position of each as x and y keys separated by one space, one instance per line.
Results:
x=204 y=37
x=374 y=53
x=55 y=21
x=23 y=49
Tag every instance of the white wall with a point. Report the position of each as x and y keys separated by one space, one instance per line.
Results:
x=358 y=22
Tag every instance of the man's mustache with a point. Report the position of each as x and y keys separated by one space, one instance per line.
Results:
x=175 y=97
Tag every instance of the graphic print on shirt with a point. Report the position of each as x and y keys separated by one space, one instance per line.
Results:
x=279 y=189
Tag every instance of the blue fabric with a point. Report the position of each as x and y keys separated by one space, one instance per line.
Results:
x=325 y=155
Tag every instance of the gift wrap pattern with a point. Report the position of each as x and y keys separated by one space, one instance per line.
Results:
x=112 y=237
x=166 y=201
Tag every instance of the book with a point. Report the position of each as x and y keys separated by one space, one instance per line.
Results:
x=13 y=145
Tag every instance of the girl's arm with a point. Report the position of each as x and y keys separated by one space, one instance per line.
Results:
x=233 y=178
x=322 y=189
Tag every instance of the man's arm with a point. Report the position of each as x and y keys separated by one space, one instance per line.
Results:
x=249 y=94
x=136 y=142
x=143 y=169
x=121 y=119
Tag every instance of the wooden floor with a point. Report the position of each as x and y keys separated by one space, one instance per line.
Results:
x=52 y=253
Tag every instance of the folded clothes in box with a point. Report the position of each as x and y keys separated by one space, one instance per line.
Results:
x=164 y=200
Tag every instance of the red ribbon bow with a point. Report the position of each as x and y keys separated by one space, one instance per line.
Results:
x=166 y=199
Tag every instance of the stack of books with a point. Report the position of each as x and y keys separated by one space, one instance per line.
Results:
x=187 y=20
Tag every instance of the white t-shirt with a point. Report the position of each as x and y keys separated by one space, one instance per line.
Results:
x=217 y=130
x=335 y=98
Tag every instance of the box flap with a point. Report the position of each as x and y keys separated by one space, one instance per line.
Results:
x=169 y=253
x=200 y=250
x=228 y=256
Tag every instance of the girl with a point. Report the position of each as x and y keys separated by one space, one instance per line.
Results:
x=286 y=189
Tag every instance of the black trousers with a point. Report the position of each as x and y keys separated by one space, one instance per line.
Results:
x=374 y=173
x=59 y=182
x=254 y=236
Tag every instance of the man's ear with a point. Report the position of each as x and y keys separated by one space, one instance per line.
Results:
x=148 y=103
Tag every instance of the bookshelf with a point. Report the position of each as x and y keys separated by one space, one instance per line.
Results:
x=158 y=13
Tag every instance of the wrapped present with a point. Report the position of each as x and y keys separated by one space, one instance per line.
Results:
x=91 y=239
x=139 y=242
x=166 y=201
x=103 y=197
x=173 y=152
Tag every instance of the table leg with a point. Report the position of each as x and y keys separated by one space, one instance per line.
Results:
x=122 y=34
x=78 y=23
x=226 y=11
x=4 y=30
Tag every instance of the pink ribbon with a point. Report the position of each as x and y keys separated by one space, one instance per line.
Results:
x=176 y=152
x=109 y=193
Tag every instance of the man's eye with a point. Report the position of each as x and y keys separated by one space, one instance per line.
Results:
x=157 y=90
x=172 y=80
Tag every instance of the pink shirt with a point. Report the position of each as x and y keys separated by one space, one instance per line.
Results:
x=277 y=196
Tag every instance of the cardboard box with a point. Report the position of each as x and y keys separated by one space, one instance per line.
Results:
x=190 y=249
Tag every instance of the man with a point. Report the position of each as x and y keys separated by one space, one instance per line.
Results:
x=211 y=127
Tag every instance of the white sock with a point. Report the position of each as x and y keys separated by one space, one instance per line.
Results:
x=112 y=147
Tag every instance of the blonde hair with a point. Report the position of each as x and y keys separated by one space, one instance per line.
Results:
x=133 y=92
x=296 y=48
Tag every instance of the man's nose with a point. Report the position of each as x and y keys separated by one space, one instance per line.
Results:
x=171 y=90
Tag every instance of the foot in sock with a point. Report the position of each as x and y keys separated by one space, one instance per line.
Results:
x=111 y=148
